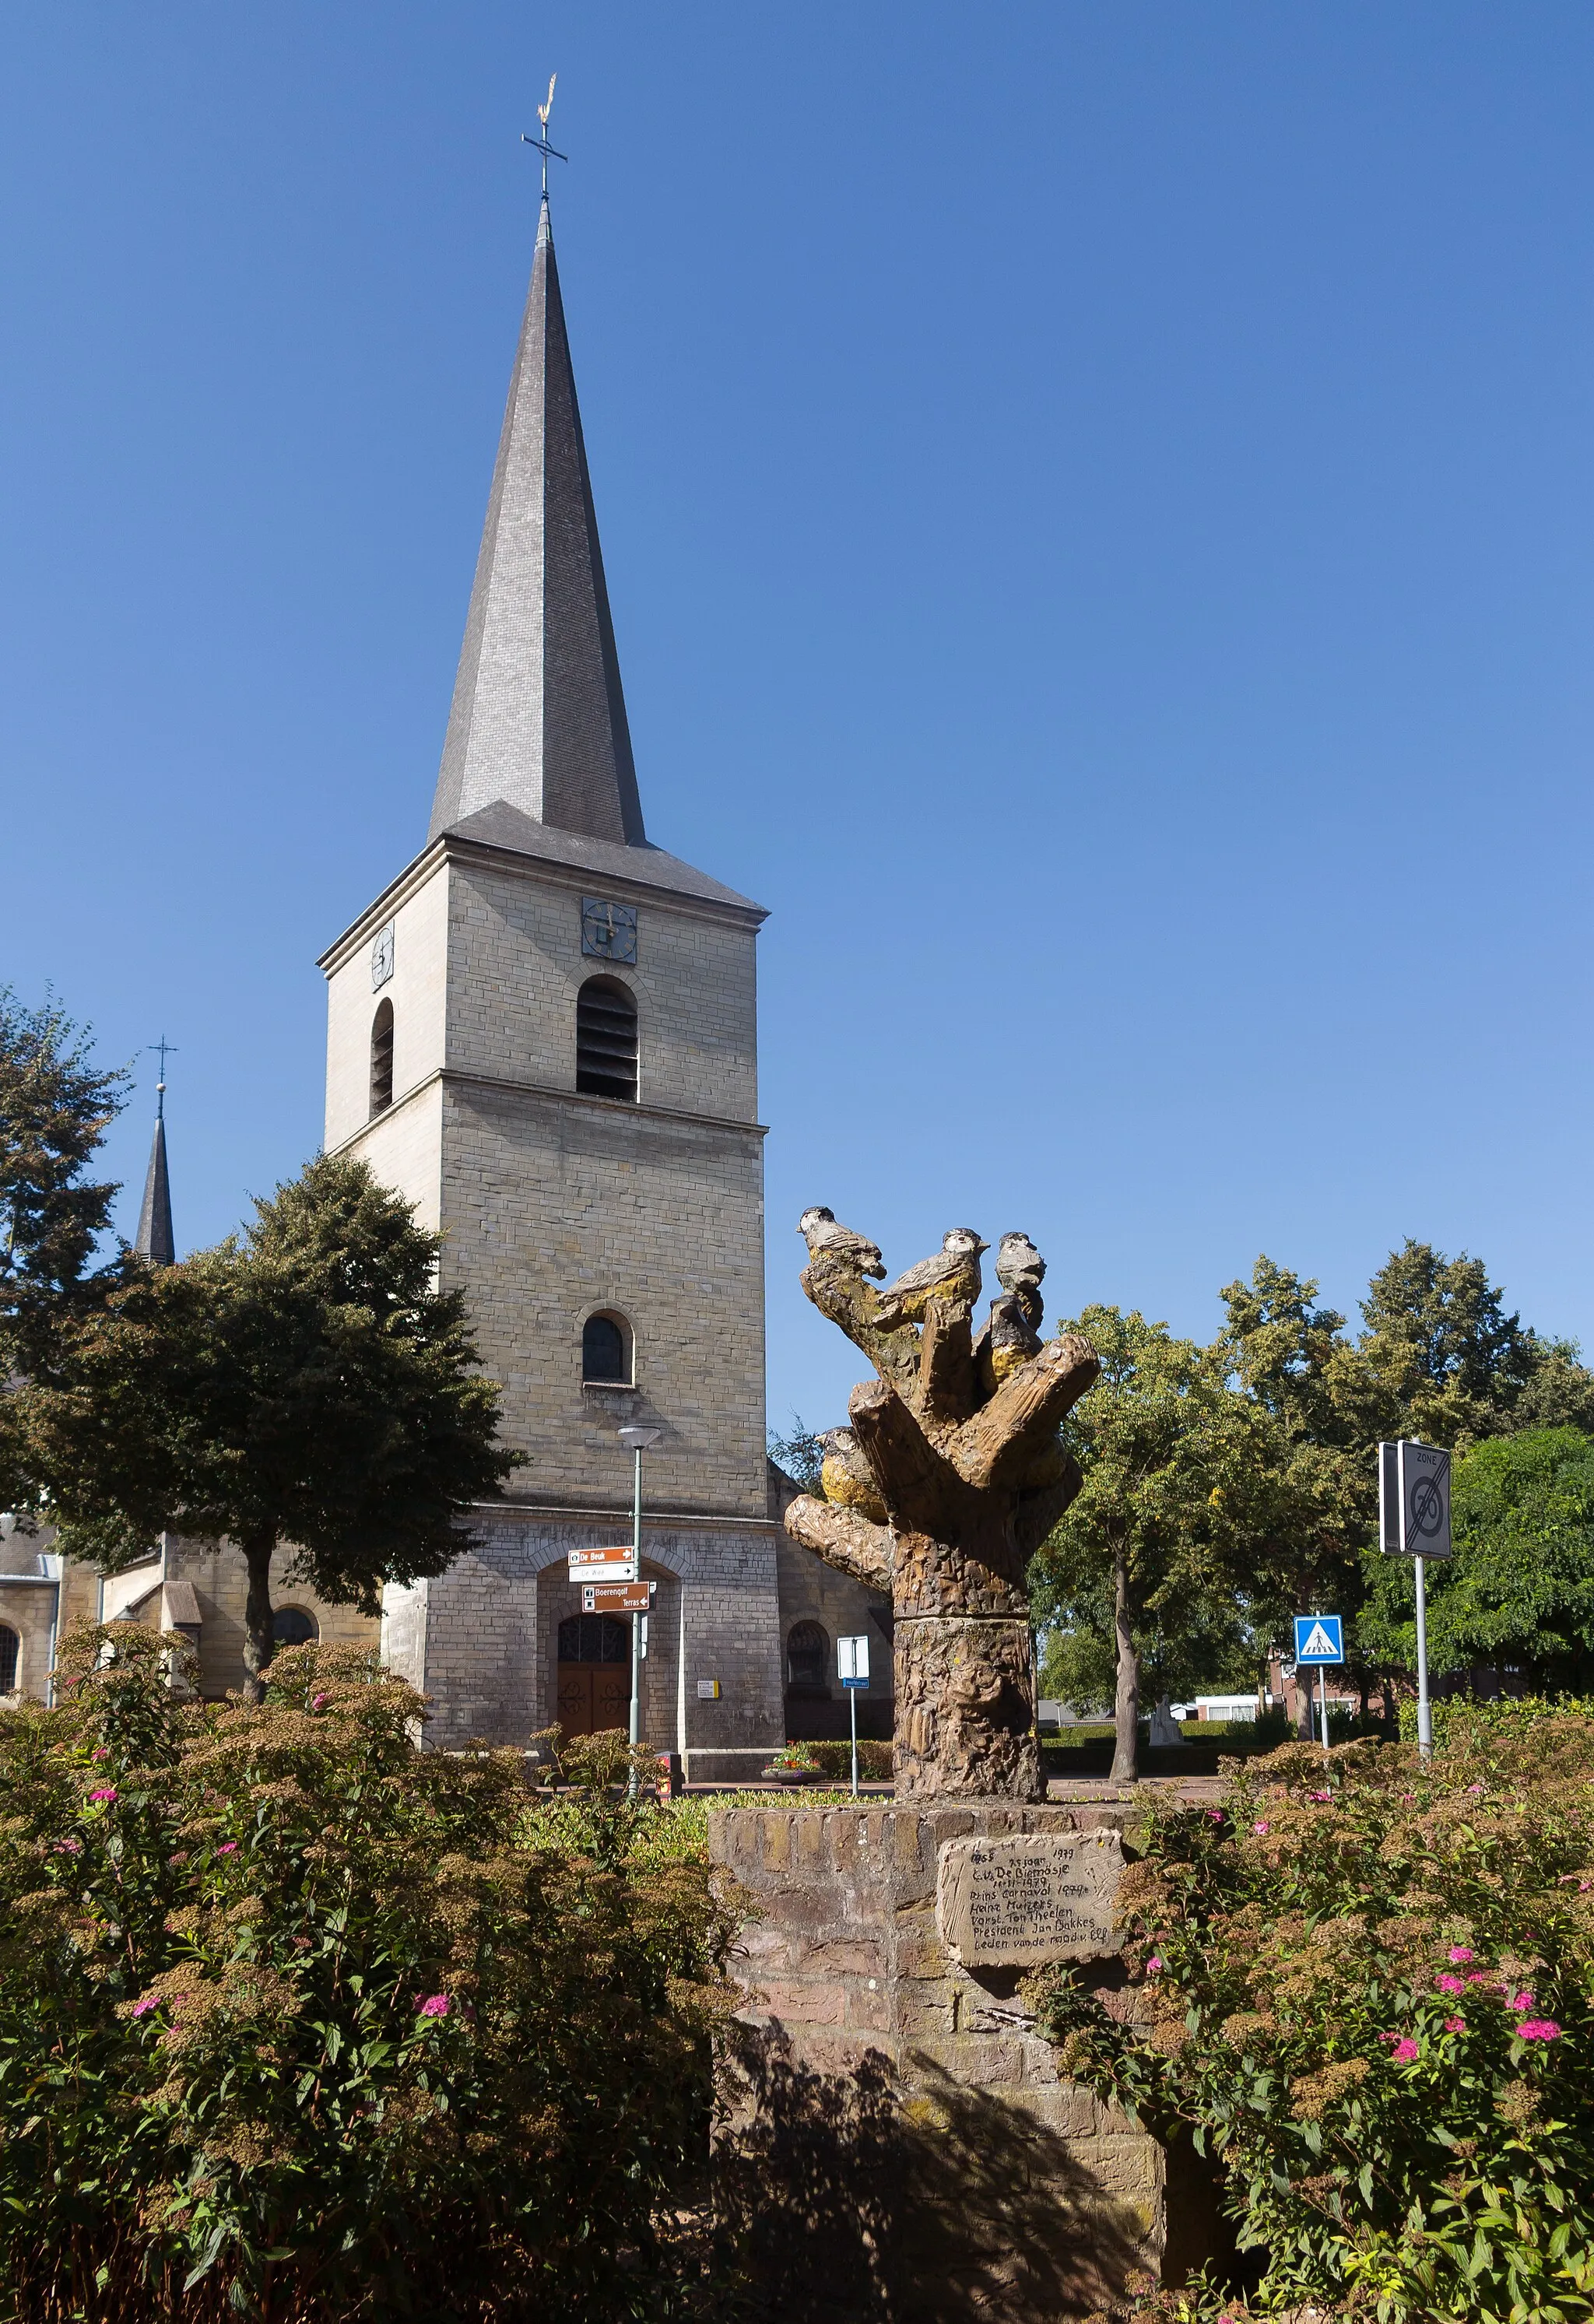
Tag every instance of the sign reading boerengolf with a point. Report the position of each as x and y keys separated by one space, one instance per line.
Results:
x=1319 y=1639
x=1414 y=1500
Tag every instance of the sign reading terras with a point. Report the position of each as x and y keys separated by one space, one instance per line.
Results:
x=1414 y=1500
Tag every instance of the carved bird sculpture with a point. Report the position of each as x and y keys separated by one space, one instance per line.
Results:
x=826 y=1238
x=1018 y=1260
x=1008 y=1339
x=953 y=1273
x=847 y=1477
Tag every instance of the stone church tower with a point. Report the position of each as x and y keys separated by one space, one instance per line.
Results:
x=544 y=1033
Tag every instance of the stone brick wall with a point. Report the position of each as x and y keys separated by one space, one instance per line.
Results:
x=29 y=1599
x=221 y=1585
x=554 y=1208
x=418 y=990
x=515 y=964
x=482 y=1638
x=901 y=2143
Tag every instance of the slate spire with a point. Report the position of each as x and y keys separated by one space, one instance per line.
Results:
x=153 y=1239
x=538 y=718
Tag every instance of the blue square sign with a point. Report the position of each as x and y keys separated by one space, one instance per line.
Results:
x=1319 y=1639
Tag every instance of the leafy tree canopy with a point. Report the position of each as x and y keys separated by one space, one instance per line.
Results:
x=1180 y=1496
x=306 y=1385
x=1519 y=1593
x=55 y=1107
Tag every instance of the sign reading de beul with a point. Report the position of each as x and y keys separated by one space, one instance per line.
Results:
x=1018 y=1902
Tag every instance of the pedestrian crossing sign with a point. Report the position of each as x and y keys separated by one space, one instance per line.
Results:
x=1319 y=1639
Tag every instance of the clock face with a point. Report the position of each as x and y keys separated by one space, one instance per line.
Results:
x=608 y=931
x=382 y=958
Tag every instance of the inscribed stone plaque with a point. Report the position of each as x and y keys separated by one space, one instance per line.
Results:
x=1035 y=1898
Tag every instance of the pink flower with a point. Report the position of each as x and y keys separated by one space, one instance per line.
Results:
x=1214 y=1815
x=142 y=2008
x=227 y=1847
x=1154 y=1965
x=1461 y=1953
x=1320 y=1795
x=1473 y=1790
x=1519 y=2000
x=1479 y=1977
x=1404 y=2052
x=1455 y=2026
x=1537 y=2029
x=436 y=2004
x=100 y=1751
x=1448 y=1983
x=69 y=1847
x=107 y=1792
x=1261 y=1826
x=317 y=1700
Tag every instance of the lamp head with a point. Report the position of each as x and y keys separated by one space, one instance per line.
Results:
x=637 y=1439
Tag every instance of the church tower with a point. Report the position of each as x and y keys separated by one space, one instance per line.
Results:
x=544 y=1033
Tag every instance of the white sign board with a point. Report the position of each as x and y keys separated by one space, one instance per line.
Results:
x=852 y=1655
x=602 y=1565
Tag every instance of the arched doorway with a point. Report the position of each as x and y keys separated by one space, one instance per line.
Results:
x=593 y=1673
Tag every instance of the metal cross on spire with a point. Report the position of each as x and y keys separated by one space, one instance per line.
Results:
x=163 y=1048
x=540 y=144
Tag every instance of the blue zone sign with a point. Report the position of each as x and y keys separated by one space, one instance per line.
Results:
x=1319 y=1639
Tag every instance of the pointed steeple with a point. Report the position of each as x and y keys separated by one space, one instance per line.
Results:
x=538 y=718
x=155 y=1239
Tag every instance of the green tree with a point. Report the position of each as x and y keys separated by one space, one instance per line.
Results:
x=1519 y=1593
x=55 y=1107
x=306 y=1385
x=1180 y=1498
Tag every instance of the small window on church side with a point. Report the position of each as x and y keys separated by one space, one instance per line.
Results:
x=606 y=1350
x=10 y=1646
x=607 y=1039
x=381 y=1057
x=807 y=1659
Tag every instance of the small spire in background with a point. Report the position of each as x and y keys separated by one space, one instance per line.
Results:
x=154 y=1241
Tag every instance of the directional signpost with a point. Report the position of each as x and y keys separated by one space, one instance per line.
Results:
x=852 y=1656
x=1320 y=1640
x=602 y=1565
x=1413 y=1521
x=617 y=1597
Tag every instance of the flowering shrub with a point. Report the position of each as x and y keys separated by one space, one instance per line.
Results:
x=298 y=2022
x=1368 y=1996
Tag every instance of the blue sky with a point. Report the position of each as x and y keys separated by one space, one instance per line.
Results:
x=1097 y=502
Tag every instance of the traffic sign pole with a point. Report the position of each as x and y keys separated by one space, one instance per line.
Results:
x=852 y=1698
x=1425 y=1708
x=1322 y=1704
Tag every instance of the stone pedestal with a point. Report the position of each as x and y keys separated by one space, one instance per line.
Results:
x=897 y=2142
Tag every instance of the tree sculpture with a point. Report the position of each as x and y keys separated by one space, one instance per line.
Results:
x=952 y=1476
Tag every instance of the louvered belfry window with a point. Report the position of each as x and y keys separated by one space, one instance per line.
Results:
x=381 y=1057
x=607 y=1039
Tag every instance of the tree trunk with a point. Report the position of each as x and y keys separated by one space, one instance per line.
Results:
x=258 y=1642
x=968 y=1490
x=1391 y=1721
x=1125 y=1712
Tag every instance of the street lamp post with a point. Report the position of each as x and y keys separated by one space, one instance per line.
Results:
x=637 y=1440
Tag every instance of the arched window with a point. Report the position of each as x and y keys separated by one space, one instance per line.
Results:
x=292 y=1625
x=10 y=1649
x=807 y=1659
x=593 y=1638
x=381 y=1057
x=606 y=1348
x=607 y=1039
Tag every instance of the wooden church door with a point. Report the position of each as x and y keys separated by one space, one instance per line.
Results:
x=595 y=1673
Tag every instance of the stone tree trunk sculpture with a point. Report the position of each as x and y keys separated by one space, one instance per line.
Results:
x=951 y=1477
